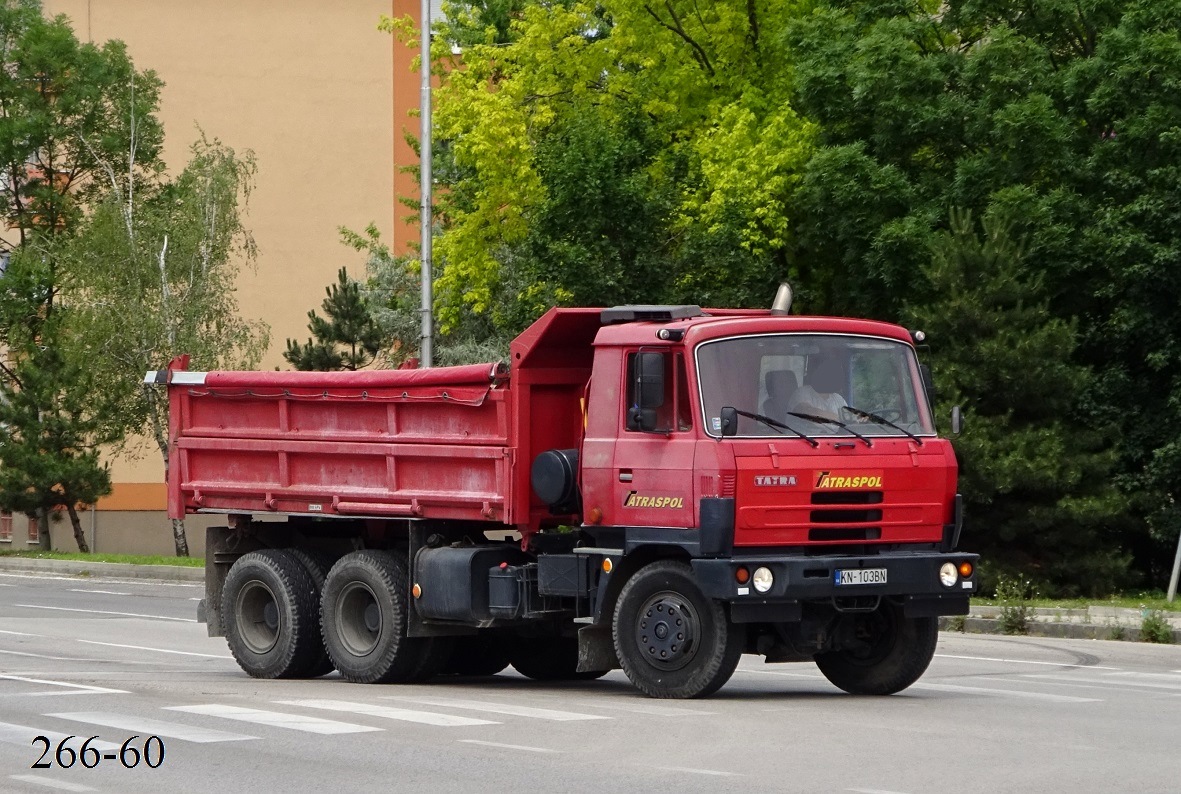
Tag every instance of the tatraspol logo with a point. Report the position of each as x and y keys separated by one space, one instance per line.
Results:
x=635 y=499
x=841 y=480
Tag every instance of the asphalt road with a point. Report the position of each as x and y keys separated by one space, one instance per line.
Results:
x=993 y=714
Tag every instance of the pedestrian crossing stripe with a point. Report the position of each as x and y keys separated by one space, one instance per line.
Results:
x=389 y=713
x=148 y=727
x=277 y=719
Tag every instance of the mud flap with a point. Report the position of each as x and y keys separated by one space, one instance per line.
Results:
x=596 y=649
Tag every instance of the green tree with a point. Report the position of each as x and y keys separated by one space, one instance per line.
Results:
x=66 y=109
x=1039 y=496
x=346 y=338
x=601 y=153
x=49 y=430
x=154 y=266
x=1062 y=116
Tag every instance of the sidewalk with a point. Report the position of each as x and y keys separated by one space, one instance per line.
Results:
x=102 y=570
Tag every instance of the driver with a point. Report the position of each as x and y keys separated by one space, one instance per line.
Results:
x=820 y=394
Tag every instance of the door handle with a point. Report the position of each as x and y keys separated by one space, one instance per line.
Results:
x=625 y=475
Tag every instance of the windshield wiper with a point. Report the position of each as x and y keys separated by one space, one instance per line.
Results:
x=882 y=420
x=777 y=425
x=827 y=421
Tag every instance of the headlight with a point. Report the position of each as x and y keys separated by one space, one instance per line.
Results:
x=762 y=579
x=948 y=574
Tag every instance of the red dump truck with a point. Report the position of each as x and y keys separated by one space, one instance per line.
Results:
x=657 y=488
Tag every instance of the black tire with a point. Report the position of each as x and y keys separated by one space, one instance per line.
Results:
x=363 y=617
x=271 y=615
x=892 y=653
x=317 y=564
x=672 y=641
x=549 y=659
x=477 y=656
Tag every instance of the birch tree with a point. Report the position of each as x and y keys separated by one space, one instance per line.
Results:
x=157 y=262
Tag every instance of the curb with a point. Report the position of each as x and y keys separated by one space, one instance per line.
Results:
x=1116 y=631
x=103 y=570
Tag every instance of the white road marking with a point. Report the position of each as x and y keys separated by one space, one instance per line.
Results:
x=19 y=633
x=1016 y=693
x=158 y=650
x=813 y=676
x=406 y=715
x=655 y=711
x=84 y=687
x=104 y=612
x=149 y=727
x=60 y=658
x=526 y=748
x=1023 y=661
x=100 y=592
x=23 y=735
x=60 y=785
x=6 y=584
x=502 y=708
x=1107 y=680
x=872 y=791
x=277 y=719
x=714 y=772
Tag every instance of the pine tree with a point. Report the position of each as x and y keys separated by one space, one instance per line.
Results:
x=347 y=338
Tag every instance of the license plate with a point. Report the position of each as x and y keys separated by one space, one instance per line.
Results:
x=860 y=576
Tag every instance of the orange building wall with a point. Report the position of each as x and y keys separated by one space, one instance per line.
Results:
x=321 y=96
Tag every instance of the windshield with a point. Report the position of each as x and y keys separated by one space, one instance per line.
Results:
x=814 y=384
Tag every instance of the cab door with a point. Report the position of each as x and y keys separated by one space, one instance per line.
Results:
x=654 y=454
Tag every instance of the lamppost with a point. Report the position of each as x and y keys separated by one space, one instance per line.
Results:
x=425 y=352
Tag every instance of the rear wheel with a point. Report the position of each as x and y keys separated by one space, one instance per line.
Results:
x=271 y=615
x=317 y=565
x=549 y=659
x=363 y=616
x=672 y=641
x=888 y=652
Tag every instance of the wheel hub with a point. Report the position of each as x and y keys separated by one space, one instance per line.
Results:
x=666 y=631
x=258 y=617
x=358 y=619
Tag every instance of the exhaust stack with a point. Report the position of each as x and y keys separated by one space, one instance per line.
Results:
x=781 y=306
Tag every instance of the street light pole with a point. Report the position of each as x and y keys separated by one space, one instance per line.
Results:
x=425 y=351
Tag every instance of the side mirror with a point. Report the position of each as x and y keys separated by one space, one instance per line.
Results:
x=957 y=420
x=729 y=421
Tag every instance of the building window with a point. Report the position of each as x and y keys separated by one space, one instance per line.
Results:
x=6 y=527
x=34 y=530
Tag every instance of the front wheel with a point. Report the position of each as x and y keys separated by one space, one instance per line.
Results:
x=886 y=653
x=672 y=641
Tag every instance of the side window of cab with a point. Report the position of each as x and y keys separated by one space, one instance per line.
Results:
x=657 y=392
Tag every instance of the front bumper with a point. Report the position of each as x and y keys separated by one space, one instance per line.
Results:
x=911 y=576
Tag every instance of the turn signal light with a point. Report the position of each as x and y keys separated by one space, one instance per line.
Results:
x=742 y=575
x=416 y=591
x=965 y=569
x=607 y=565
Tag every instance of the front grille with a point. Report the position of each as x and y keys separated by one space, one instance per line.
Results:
x=845 y=516
x=847 y=497
x=844 y=533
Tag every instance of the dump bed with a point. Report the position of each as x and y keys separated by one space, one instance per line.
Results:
x=447 y=442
